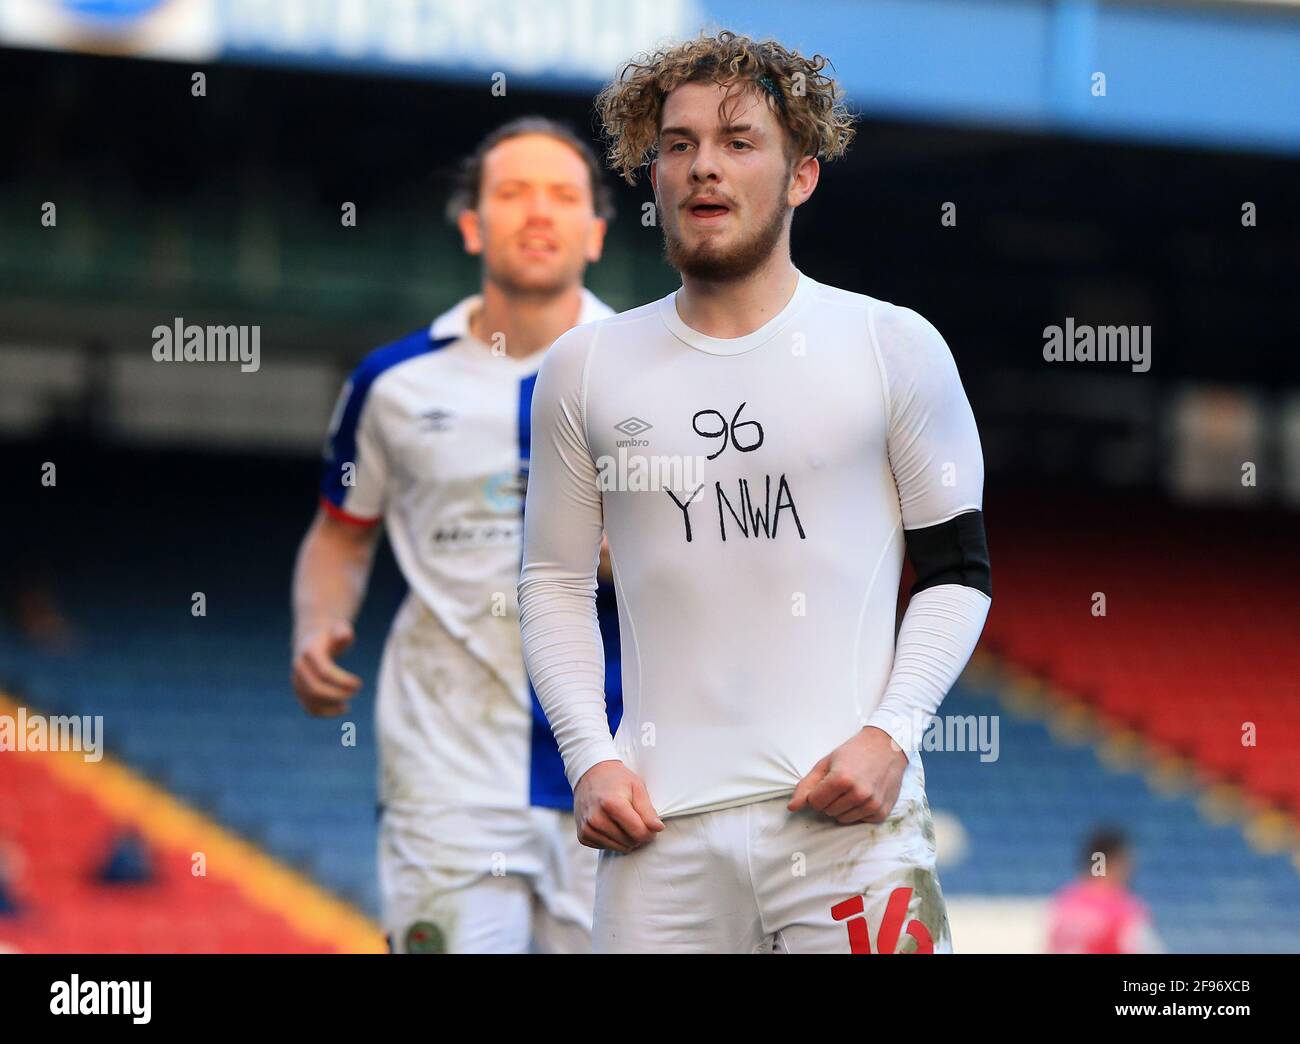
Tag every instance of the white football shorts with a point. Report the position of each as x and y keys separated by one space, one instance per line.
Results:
x=757 y=878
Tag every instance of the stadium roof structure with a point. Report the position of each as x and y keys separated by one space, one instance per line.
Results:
x=1212 y=72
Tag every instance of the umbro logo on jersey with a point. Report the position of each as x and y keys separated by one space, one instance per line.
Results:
x=632 y=427
x=437 y=420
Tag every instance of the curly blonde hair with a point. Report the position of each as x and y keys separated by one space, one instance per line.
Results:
x=807 y=102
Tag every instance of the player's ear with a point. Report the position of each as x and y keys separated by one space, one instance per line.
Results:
x=596 y=238
x=471 y=231
x=803 y=180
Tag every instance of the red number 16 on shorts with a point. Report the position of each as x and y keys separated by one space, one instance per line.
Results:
x=895 y=910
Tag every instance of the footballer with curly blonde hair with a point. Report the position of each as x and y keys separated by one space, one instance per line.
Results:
x=762 y=451
x=769 y=100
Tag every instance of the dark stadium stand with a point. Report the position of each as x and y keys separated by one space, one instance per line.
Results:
x=201 y=706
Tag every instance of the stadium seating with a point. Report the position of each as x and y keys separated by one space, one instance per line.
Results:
x=63 y=836
x=1025 y=817
x=1196 y=648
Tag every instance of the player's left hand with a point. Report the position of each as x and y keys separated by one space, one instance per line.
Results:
x=857 y=782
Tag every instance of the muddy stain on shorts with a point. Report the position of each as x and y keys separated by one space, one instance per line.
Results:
x=931 y=910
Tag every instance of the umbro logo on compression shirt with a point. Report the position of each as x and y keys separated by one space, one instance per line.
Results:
x=633 y=426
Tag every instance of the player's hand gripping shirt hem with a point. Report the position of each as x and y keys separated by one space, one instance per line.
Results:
x=563 y=523
x=938 y=467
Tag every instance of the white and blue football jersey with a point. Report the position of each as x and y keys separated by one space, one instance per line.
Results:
x=431 y=436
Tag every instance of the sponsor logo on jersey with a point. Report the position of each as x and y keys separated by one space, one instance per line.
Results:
x=471 y=536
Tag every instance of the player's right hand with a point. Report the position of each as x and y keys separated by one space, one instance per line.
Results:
x=323 y=687
x=612 y=809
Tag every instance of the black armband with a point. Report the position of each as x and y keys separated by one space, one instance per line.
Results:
x=953 y=552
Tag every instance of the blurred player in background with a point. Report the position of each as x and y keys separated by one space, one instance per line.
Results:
x=764 y=791
x=431 y=436
x=1097 y=913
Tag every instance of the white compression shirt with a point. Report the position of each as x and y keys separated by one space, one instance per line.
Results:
x=754 y=491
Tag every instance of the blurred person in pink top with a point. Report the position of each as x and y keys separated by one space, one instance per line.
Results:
x=1097 y=913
